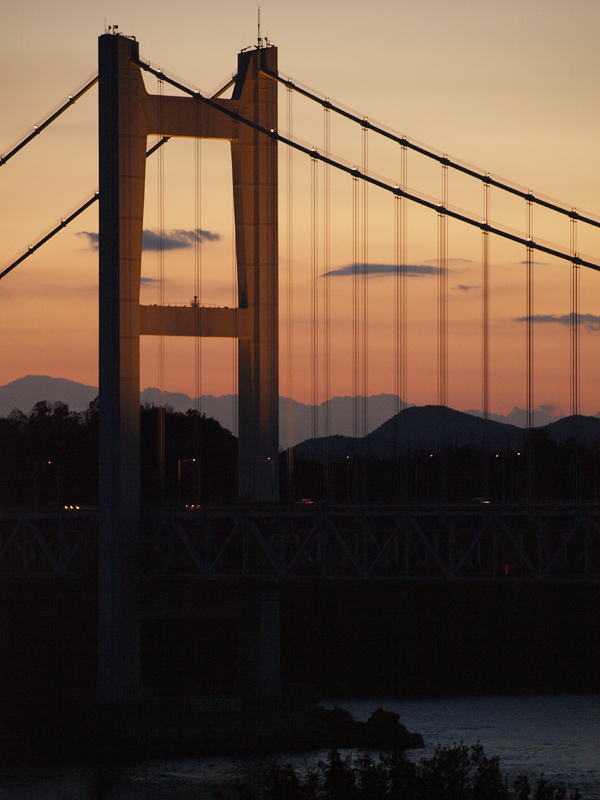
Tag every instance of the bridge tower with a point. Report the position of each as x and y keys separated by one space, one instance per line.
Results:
x=128 y=114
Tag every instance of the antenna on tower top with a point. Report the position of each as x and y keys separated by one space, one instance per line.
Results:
x=259 y=44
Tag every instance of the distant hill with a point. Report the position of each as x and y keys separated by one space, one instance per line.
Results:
x=423 y=427
x=414 y=425
x=422 y=424
x=24 y=393
x=417 y=427
x=586 y=428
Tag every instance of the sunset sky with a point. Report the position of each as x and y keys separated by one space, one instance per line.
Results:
x=509 y=87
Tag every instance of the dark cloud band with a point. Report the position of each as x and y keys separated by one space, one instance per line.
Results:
x=380 y=269
x=177 y=239
x=170 y=240
x=590 y=321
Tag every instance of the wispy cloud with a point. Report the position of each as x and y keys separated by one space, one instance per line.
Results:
x=461 y=287
x=380 y=269
x=177 y=239
x=92 y=238
x=549 y=408
x=543 y=415
x=589 y=321
x=459 y=261
x=171 y=240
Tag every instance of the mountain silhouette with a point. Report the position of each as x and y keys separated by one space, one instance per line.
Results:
x=414 y=426
x=427 y=427
x=25 y=392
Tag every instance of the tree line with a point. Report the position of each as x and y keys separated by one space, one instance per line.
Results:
x=454 y=772
x=49 y=459
x=542 y=471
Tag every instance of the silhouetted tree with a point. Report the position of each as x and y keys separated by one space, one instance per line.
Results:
x=53 y=454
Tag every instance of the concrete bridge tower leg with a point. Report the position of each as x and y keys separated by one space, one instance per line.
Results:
x=122 y=164
x=254 y=155
x=127 y=116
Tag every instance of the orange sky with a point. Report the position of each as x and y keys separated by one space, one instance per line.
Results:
x=508 y=88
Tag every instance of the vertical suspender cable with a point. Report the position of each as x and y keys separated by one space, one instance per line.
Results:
x=355 y=307
x=236 y=332
x=355 y=335
x=400 y=325
x=235 y=288
x=327 y=306
x=290 y=301
x=443 y=329
x=314 y=306
x=365 y=285
x=161 y=302
x=485 y=344
x=404 y=282
x=574 y=330
x=273 y=332
x=198 y=262
x=443 y=292
x=401 y=389
x=530 y=449
x=396 y=449
x=198 y=301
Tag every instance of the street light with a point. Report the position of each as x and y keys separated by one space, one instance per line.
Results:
x=259 y=473
x=44 y=464
x=181 y=461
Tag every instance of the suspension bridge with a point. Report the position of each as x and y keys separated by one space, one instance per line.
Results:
x=349 y=205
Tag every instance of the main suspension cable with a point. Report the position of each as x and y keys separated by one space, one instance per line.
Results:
x=85 y=204
x=37 y=129
x=421 y=200
x=484 y=177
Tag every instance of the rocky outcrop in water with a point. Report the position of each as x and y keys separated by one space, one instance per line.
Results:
x=382 y=731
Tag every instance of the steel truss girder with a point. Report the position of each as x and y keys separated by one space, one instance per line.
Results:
x=534 y=543
x=379 y=542
x=52 y=543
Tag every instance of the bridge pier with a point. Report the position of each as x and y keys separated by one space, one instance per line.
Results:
x=234 y=626
x=259 y=669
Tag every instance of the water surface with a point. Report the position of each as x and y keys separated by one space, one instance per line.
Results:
x=557 y=735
